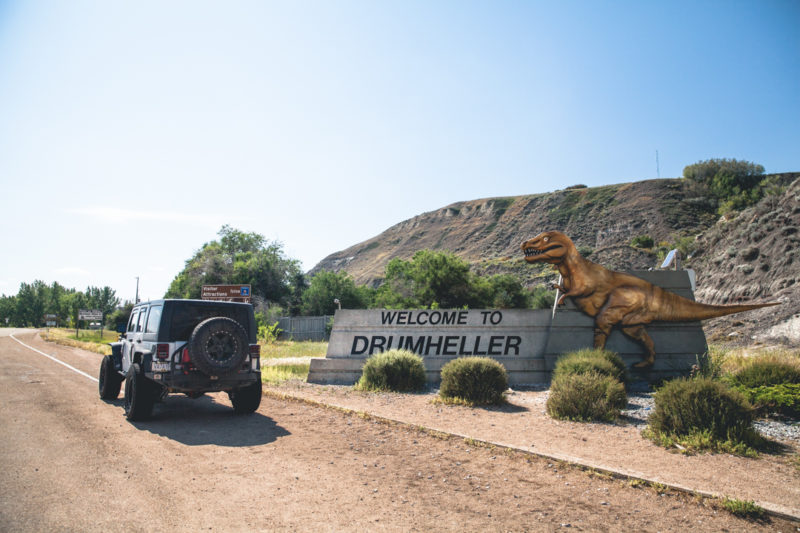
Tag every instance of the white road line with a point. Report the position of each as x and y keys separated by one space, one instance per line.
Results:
x=56 y=360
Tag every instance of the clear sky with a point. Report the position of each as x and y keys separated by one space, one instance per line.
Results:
x=130 y=132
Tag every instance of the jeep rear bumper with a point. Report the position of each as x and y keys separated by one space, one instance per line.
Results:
x=194 y=381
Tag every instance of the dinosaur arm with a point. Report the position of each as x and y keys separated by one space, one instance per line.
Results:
x=571 y=293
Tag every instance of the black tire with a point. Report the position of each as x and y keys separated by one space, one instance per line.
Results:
x=110 y=381
x=218 y=346
x=139 y=395
x=247 y=399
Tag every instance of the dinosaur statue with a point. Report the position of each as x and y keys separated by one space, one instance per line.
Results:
x=613 y=298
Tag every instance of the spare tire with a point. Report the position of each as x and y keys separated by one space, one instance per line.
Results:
x=218 y=346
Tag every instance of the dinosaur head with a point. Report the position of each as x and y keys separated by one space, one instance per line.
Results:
x=548 y=247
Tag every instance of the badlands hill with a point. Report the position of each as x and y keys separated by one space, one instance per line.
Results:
x=754 y=255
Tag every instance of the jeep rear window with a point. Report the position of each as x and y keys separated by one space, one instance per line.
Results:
x=186 y=316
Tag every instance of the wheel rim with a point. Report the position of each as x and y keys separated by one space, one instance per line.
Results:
x=221 y=346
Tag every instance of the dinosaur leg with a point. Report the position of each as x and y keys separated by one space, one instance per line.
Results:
x=639 y=334
x=601 y=333
x=603 y=323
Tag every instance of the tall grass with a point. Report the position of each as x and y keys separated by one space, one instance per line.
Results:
x=284 y=349
x=88 y=340
x=277 y=374
x=733 y=360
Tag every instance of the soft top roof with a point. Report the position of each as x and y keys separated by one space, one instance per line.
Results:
x=201 y=302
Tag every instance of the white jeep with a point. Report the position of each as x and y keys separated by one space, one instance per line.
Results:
x=184 y=346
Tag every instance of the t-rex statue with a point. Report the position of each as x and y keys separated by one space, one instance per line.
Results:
x=614 y=298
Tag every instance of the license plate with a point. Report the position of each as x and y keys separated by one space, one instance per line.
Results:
x=160 y=367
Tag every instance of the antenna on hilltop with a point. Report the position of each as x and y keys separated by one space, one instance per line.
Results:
x=658 y=168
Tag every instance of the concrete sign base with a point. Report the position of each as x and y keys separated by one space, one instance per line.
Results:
x=526 y=342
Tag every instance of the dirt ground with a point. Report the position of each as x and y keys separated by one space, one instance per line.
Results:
x=772 y=480
x=73 y=463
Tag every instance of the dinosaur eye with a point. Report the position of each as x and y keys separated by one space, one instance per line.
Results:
x=546 y=239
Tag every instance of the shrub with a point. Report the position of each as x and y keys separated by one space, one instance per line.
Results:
x=474 y=380
x=585 y=397
x=710 y=364
x=268 y=334
x=643 y=241
x=762 y=373
x=734 y=184
x=701 y=406
x=783 y=399
x=395 y=370
x=742 y=508
x=592 y=360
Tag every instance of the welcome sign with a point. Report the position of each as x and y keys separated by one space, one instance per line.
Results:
x=515 y=337
x=527 y=342
x=434 y=333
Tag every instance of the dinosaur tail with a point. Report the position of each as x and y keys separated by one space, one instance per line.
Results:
x=678 y=309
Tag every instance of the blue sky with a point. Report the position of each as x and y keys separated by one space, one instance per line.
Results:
x=130 y=132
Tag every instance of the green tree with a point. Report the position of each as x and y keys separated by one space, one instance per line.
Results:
x=327 y=286
x=73 y=302
x=508 y=293
x=119 y=316
x=239 y=258
x=429 y=279
x=732 y=183
x=32 y=300
x=706 y=171
x=299 y=286
x=397 y=289
x=8 y=310
x=442 y=279
x=104 y=299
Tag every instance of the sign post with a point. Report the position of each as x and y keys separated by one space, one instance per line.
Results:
x=226 y=293
x=88 y=314
x=50 y=321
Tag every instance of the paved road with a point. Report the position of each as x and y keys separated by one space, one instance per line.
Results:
x=5 y=332
x=71 y=462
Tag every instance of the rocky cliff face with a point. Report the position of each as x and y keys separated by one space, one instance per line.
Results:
x=753 y=256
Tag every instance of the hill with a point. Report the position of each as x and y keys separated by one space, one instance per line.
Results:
x=602 y=221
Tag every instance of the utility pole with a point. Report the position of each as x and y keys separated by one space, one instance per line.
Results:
x=658 y=167
x=137 y=291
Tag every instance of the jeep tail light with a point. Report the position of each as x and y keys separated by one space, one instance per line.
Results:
x=162 y=351
x=185 y=356
x=255 y=357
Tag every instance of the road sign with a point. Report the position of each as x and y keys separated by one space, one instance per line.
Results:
x=90 y=314
x=226 y=293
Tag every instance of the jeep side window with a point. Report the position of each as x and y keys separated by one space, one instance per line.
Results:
x=140 y=323
x=153 y=319
x=132 y=322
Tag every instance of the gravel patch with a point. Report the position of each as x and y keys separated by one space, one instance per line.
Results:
x=641 y=404
x=779 y=430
